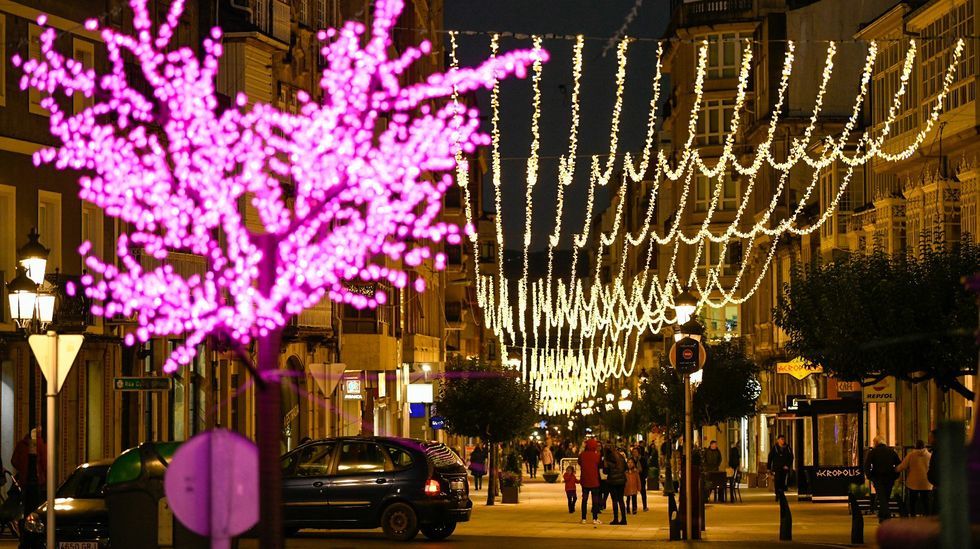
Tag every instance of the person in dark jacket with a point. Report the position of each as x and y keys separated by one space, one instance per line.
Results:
x=478 y=466
x=734 y=458
x=643 y=466
x=879 y=467
x=615 y=465
x=589 y=462
x=712 y=458
x=780 y=463
x=531 y=454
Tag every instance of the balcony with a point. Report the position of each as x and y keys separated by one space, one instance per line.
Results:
x=184 y=264
x=316 y=317
x=701 y=12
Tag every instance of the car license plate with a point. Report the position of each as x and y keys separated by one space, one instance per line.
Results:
x=457 y=485
x=78 y=545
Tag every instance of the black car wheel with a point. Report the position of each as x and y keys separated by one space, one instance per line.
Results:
x=399 y=522
x=439 y=531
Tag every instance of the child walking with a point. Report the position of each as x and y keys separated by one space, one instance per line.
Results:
x=570 y=490
x=632 y=485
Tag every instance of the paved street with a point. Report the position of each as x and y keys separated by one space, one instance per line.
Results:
x=542 y=519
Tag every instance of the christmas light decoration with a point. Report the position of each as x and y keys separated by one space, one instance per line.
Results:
x=176 y=169
x=605 y=317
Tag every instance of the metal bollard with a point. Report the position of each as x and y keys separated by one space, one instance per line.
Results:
x=785 y=519
x=673 y=520
x=857 y=521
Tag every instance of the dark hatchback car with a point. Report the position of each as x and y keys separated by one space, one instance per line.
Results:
x=400 y=485
x=81 y=515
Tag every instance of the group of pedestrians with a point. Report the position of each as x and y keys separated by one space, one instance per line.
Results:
x=608 y=474
x=883 y=468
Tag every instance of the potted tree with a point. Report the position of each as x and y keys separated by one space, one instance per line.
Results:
x=507 y=409
x=510 y=485
x=550 y=476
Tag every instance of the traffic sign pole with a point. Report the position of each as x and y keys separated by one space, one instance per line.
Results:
x=55 y=355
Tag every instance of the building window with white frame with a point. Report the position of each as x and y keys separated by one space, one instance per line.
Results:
x=705 y=189
x=34 y=52
x=3 y=57
x=92 y=227
x=714 y=121
x=84 y=53
x=49 y=225
x=724 y=53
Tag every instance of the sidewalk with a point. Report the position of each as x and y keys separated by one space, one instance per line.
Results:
x=543 y=513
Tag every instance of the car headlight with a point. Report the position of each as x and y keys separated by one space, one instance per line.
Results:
x=34 y=524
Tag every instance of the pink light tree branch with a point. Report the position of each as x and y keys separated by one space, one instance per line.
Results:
x=177 y=169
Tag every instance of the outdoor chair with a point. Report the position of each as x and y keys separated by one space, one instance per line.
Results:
x=733 y=486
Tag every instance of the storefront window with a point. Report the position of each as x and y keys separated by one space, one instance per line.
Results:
x=838 y=440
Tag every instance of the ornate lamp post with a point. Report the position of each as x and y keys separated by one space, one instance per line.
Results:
x=625 y=405
x=686 y=304
x=32 y=309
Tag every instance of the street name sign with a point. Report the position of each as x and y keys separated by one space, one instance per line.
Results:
x=142 y=383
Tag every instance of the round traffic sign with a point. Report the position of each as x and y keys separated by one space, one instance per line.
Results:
x=212 y=484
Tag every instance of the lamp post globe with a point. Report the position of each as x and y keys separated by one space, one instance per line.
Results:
x=33 y=256
x=22 y=297
x=684 y=305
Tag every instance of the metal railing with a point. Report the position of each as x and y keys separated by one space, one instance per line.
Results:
x=709 y=10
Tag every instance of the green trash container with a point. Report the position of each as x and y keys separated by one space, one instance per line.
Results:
x=138 y=512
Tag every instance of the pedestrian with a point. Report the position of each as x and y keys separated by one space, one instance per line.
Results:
x=633 y=482
x=643 y=469
x=29 y=459
x=603 y=479
x=734 y=458
x=780 y=463
x=571 y=490
x=547 y=458
x=615 y=465
x=879 y=467
x=478 y=465
x=588 y=464
x=712 y=458
x=531 y=455
x=917 y=462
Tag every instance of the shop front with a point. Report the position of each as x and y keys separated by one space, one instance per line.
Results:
x=838 y=447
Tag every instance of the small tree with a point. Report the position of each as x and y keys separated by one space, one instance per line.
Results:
x=480 y=400
x=729 y=390
x=868 y=317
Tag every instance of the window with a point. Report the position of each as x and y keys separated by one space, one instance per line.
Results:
x=727 y=197
x=34 y=52
x=400 y=459
x=454 y=255
x=311 y=461
x=92 y=227
x=711 y=255
x=488 y=251
x=8 y=239
x=49 y=225
x=714 y=121
x=3 y=55
x=936 y=55
x=84 y=53
x=828 y=191
x=724 y=54
x=360 y=457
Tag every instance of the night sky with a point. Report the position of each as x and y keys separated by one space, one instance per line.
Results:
x=599 y=19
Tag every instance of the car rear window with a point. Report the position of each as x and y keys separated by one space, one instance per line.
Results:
x=441 y=457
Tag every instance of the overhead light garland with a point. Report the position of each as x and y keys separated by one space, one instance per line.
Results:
x=608 y=317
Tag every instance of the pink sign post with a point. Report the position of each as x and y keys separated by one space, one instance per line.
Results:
x=212 y=485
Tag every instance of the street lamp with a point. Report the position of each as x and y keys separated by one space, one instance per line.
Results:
x=29 y=304
x=690 y=328
x=625 y=405
x=684 y=305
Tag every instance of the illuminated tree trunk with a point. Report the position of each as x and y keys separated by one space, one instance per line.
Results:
x=267 y=416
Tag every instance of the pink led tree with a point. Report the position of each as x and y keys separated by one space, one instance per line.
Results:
x=175 y=167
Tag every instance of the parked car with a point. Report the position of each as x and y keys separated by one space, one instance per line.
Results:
x=81 y=515
x=400 y=485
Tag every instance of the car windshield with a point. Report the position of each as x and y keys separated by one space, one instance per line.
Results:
x=442 y=458
x=85 y=483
